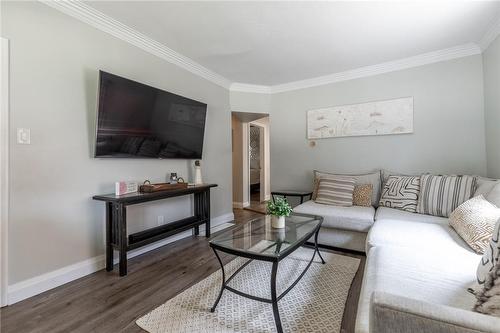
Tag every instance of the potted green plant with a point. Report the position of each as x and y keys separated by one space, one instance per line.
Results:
x=279 y=208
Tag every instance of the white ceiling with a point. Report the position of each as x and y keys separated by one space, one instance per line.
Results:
x=271 y=43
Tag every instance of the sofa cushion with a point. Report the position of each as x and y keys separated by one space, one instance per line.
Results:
x=440 y=277
x=441 y=195
x=356 y=218
x=369 y=178
x=411 y=230
x=484 y=186
x=401 y=192
x=494 y=195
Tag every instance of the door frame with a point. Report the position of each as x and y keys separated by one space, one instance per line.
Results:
x=265 y=173
x=4 y=169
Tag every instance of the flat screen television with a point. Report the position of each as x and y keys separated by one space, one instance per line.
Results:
x=135 y=120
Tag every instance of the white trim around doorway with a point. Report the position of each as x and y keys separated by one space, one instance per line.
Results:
x=4 y=168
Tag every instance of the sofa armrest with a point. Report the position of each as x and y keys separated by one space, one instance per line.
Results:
x=396 y=314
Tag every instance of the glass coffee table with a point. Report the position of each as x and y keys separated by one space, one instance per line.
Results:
x=257 y=240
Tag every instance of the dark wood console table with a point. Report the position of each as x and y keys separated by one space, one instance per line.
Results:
x=116 y=220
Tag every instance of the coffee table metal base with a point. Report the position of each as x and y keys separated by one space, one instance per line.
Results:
x=274 y=297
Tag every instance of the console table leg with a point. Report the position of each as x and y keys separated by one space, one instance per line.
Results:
x=274 y=298
x=109 y=237
x=122 y=224
x=207 y=212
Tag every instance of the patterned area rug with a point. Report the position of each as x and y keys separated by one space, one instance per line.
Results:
x=315 y=304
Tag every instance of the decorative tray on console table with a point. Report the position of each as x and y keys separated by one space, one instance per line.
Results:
x=147 y=187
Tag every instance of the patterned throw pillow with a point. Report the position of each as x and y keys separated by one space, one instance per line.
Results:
x=401 y=192
x=488 y=299
x=491 y=256
x=474 y=221
x=441 y=195
x=488 y=277
x=336 y=191
x=362 y=195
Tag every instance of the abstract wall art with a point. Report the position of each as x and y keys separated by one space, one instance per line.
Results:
x=393 y=116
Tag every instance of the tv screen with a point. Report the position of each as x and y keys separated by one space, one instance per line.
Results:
x=135 y=120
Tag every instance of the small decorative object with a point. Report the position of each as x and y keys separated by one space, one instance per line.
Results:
x=125 y=188
x=147 y=187
x=278 y=209
x=197 y=173
x=173 y=178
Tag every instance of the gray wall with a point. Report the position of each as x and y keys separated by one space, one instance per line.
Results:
x=54 y=66
x=250 y=102
x=491 y=66
x=448 y=125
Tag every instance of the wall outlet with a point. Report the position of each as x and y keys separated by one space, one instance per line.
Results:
x=161 y=220
x=23 y=136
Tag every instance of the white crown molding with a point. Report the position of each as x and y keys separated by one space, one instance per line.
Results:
x=100 y=21
x=250 y=88
x=386 y=67
x=41 y=283
x=490 y=35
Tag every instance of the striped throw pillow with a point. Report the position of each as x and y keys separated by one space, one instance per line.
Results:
x=441 y=195
x=335 y=190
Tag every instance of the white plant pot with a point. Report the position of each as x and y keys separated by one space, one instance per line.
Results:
x=278 y=222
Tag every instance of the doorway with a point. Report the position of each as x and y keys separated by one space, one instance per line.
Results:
x=251 y=161
x=254 y=149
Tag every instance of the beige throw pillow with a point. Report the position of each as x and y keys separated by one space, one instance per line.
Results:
x=474 y=221
x=362 y=195
x=335 y=191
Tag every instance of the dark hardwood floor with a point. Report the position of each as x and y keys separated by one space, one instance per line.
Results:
x=104 y=302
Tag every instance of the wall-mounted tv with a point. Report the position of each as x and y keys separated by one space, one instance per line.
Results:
x=135 y=120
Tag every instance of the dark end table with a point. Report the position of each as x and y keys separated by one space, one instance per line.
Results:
x=293 y=193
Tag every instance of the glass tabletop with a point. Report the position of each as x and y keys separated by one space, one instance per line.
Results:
x=257 y=237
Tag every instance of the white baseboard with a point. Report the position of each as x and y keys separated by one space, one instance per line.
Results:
x=38 y=284
x=241 y=205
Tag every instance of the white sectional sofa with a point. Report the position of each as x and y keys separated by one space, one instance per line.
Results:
x=417 y=271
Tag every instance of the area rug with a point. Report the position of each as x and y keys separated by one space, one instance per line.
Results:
x=315 y=304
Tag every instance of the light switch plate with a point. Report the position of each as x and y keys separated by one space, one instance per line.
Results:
x=24 y=136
